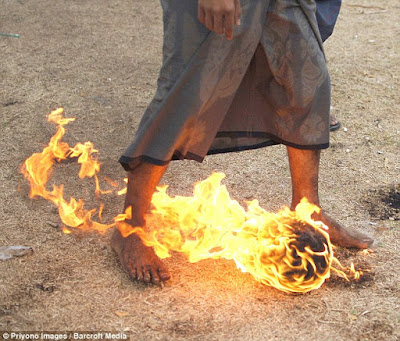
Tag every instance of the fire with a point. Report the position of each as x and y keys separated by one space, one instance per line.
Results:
x=37 y=169
x=287 y=250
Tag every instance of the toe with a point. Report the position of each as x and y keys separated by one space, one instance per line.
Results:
x=333 y=120
x=155 y=279
x=129 y=267
x=132 y=272
x=163 y=274
x=369 y=240
x=140 y=275
x=146 y=274
x=366 y=242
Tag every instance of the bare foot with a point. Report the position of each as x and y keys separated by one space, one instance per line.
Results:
x=343 y=237
x=138 y=260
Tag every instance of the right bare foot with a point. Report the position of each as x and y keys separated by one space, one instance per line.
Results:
x=342 y=236
x=138 y=260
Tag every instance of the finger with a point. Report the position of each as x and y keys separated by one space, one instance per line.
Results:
x=209 y=22
x=218 y=24
x=238 y=12
x=229 y=24
x=201 y=15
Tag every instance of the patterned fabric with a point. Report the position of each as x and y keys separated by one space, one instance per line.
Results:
x=268 y=85
x=327 y=13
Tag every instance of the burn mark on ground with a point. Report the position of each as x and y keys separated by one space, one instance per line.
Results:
x=365 y=281
x=46 y=284
x=377 y=330
x=191 y=326
x=5 y=310
x=9 y=103
x=45 y=288
x=384 y=203
x=346 y=257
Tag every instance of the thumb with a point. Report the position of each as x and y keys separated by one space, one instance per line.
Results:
x=238 y=12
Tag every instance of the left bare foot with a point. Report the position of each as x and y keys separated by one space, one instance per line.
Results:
x=138 y=260
x=343 y=237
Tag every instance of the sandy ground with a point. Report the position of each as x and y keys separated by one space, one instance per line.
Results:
x=99 y=60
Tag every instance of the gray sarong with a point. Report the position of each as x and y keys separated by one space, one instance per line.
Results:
x=268 y=85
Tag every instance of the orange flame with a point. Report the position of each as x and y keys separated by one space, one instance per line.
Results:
x=124 y=190
x=212 y=225
x=65 y=230
x=37 y=169
x=287 y=250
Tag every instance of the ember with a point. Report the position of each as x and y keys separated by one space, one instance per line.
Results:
x=287 y=250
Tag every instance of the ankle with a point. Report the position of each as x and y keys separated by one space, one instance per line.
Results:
x=136 y=222
x=296 y=200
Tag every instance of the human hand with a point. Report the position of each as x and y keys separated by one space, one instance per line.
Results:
x=220 y=16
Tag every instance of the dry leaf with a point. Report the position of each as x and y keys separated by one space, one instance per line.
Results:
x=121 y=313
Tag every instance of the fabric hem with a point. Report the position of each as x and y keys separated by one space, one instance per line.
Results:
x=276 y=139
x=129 y=163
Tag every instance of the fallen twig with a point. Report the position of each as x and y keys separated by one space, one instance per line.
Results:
x=9 y=35
x=329 y=322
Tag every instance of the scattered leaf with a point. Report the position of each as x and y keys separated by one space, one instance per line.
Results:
x=121 y=313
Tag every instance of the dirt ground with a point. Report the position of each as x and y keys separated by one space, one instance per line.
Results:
x=99 y=60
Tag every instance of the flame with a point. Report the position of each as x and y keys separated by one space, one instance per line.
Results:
x=65 y=230
x=89 y=166
x=287 y=250
x=37 y=170
x=124 y=190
